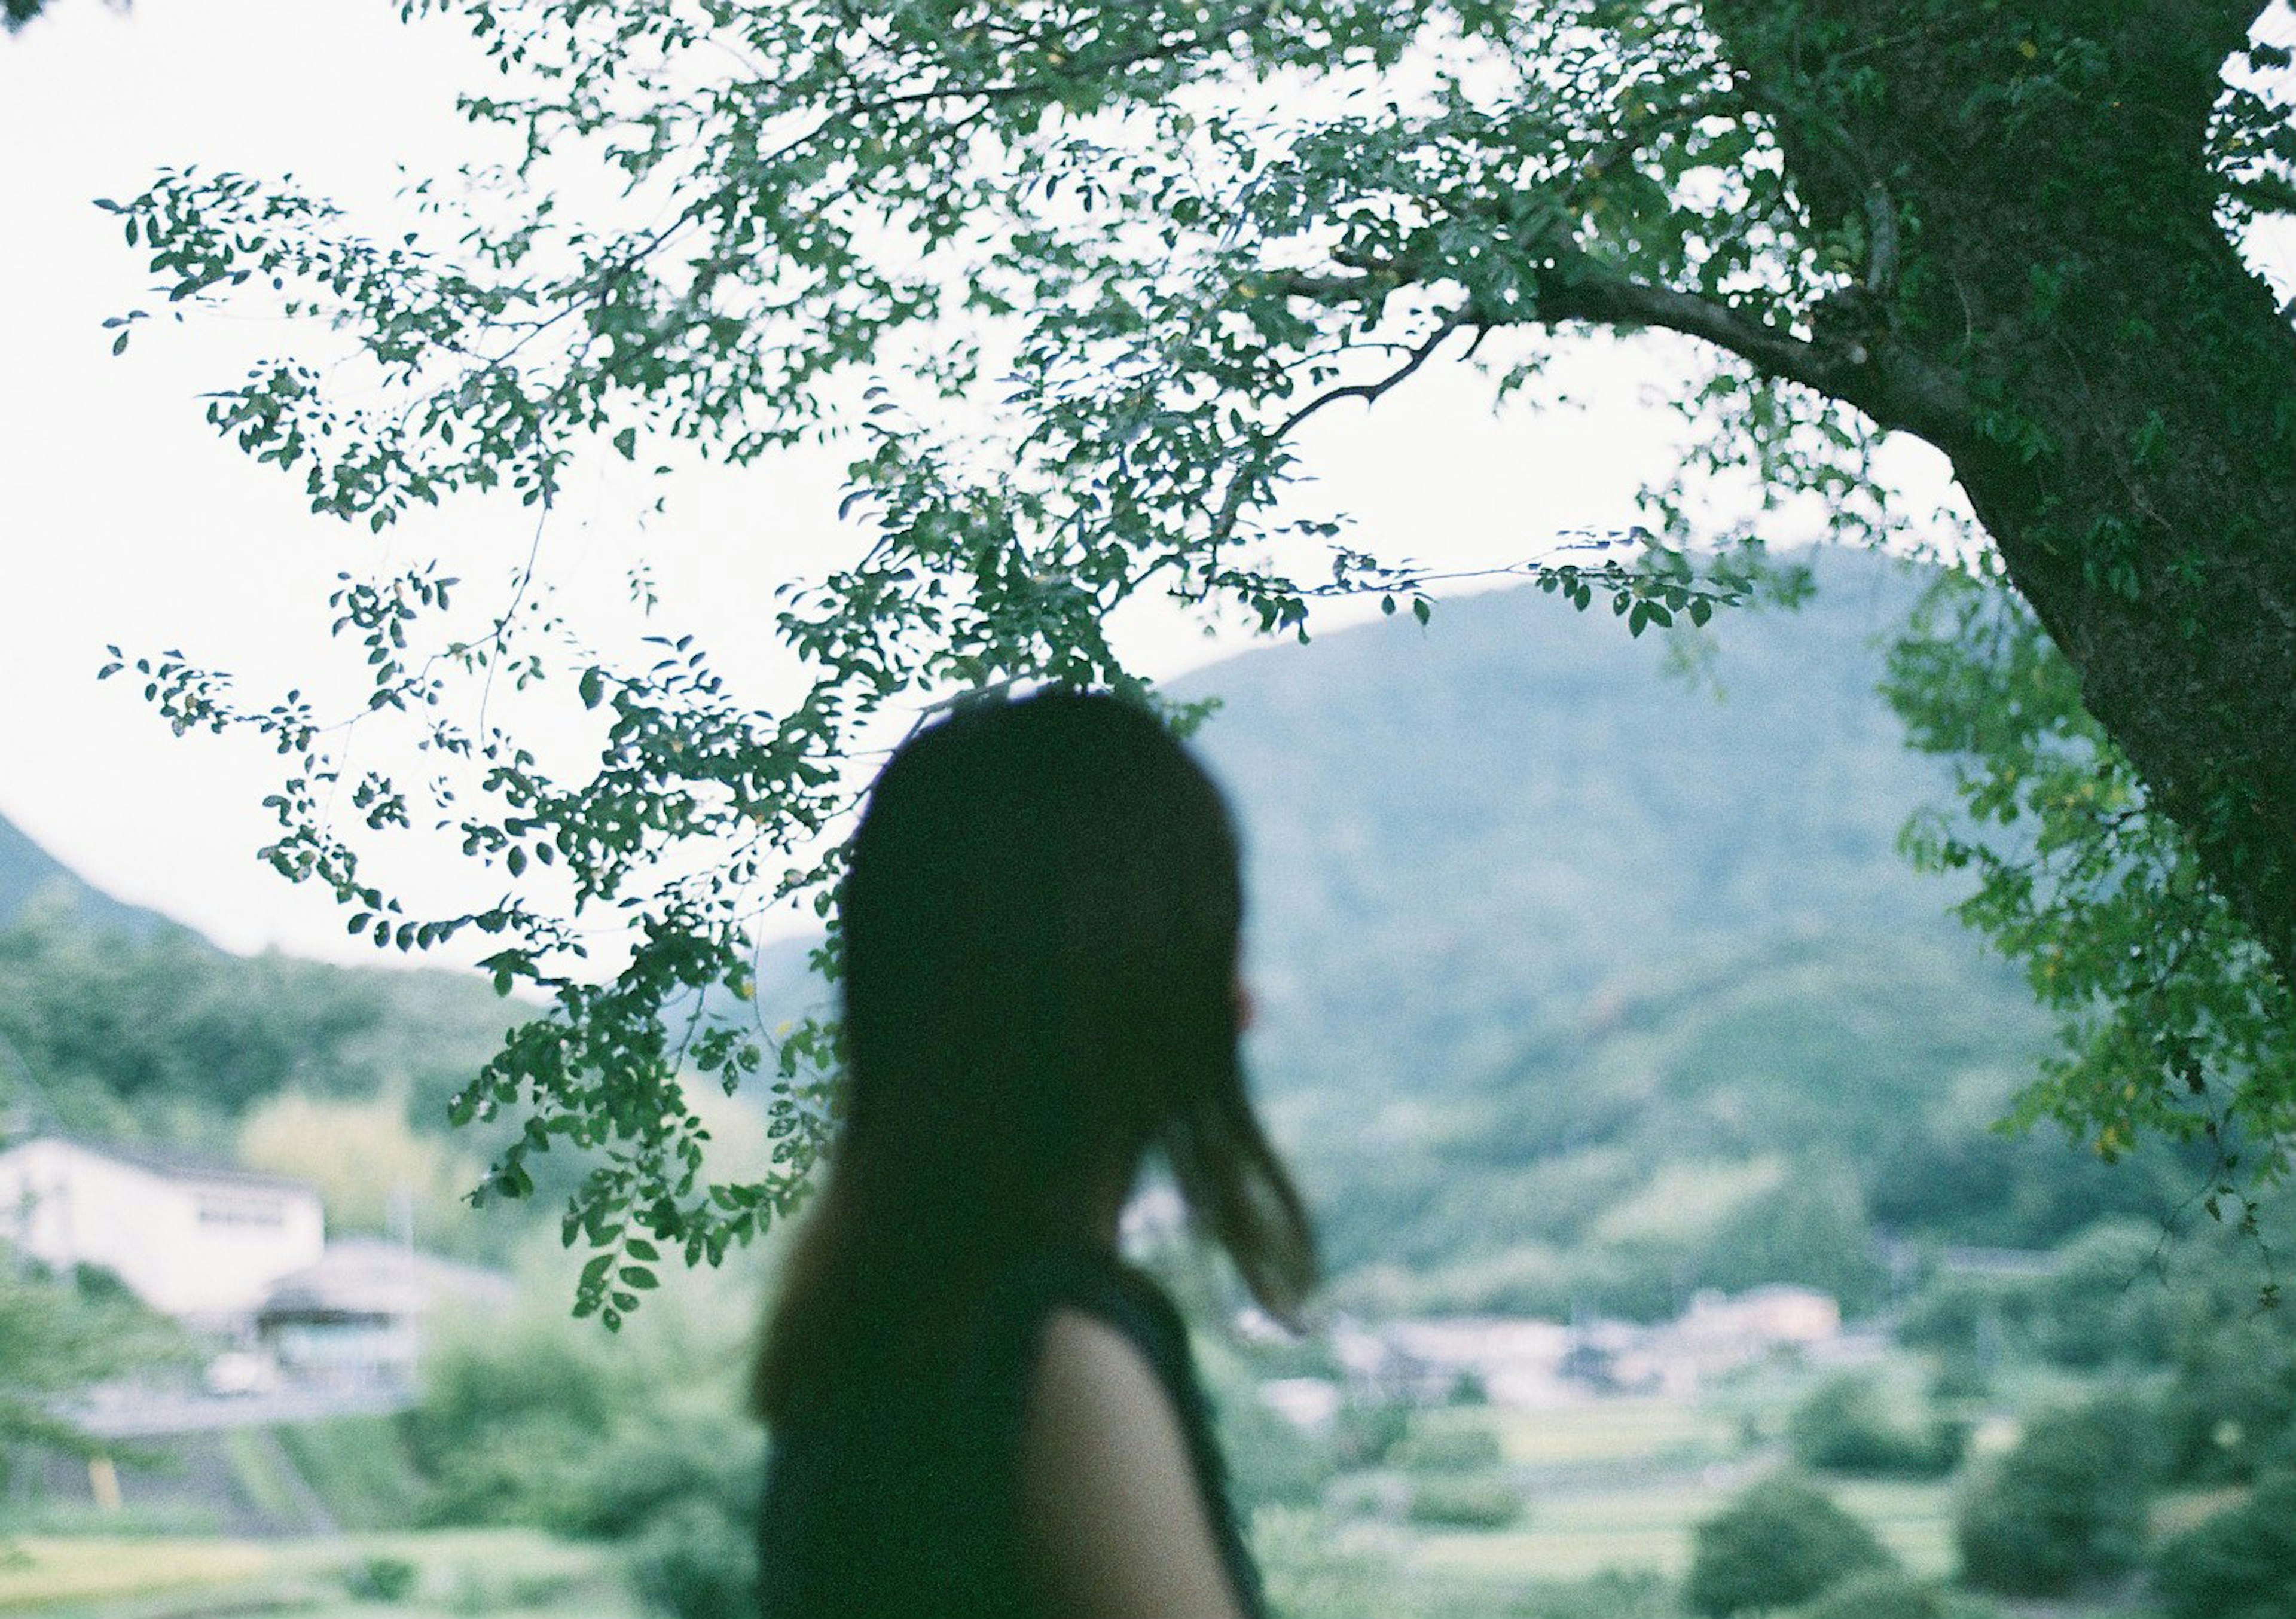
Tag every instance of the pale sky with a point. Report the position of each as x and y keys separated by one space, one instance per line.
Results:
x=122 y=519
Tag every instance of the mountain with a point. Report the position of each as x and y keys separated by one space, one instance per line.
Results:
x=29 y=874
x=1584 y=979
x=1519 y=797
x=116 y=1021
x=1588 y=972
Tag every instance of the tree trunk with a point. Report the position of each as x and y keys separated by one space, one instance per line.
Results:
x=2130 y=439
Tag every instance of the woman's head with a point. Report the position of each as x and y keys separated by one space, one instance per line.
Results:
x=1040 y=921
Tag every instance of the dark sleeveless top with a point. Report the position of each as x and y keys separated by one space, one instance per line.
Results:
x=910 y=1509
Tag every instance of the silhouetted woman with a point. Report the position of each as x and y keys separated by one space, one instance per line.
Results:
x=977 y=1408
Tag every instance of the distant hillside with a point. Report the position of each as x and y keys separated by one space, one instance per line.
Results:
x=1519 y=803
x=29 y=873
x=1585 y=983
x=130 y=1025
x=1582 y=983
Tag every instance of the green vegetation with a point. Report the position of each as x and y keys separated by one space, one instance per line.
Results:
x=1846 y=1426
x=1890 y=1595
x=1441 y=1446
x=59 y=1336
x=1779 y=1543
x=1464 y=1500
x=1644 y=1093
x=46 y=1573
x=537 y=1421
x=162 y=1037
x=697 y=1560
x=2065 y=1505
x=381 y=1579
x=1727 y=1039
x=2230 y=1410
x=1678 y=1017
x=33 y=880
x=1167 y=236
x=2240 y=1564
x=359 y=1467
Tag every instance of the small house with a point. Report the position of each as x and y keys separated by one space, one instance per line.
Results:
x=358 y=1317
x=189 y=1237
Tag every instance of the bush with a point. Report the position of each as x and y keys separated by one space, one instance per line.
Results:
x=509 y=1426
x=1778 y=1543
x=1612 y=1594
x=1961 y=1378
x=380 y=1580
x=2239 y=1565
x=1845 y=1427
x=2066 y=1503
x=1973 y=1318
x=545 y=1422
x=696 y=1562
x=1466 y=1501
x=1271 y=1460
x=2109 y=1302
x=636 y=1473
x=1311 y=1568
x=1468 y=1388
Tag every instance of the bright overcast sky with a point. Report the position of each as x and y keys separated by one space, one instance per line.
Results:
x=122 y=519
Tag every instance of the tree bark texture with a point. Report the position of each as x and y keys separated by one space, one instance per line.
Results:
x=2125 y=419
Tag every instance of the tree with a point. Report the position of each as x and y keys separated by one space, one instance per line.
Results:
x=2005 y=228
x=2240 y=1564
x=1777 y=1544
x=2066 y=1504
x=56 y=1340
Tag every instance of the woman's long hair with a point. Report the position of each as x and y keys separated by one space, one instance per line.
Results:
x=1041 y=918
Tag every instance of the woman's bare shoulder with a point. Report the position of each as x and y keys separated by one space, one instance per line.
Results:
x=1113 y=1519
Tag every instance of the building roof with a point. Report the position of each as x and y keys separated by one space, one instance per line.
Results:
x=366 y=1276
x=174 y=1163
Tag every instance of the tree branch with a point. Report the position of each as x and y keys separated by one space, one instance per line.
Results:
x=1231 y=507
x=1895 y=387
x=1898 y=388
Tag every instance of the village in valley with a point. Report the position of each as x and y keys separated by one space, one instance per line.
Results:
x=293 y=1325
x=284 y=1323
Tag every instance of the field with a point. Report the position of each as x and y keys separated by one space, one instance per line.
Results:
x=505 y=1573
x=1572 y=1534
x=1611 y=1486
x=1613 y=1494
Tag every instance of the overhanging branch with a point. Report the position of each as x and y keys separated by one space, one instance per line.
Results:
x=1897 y=388
x=1239 y=488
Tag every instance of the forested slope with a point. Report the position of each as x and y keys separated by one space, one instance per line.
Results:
x=1582 y=982
x=30 y=875
x=1586 y=981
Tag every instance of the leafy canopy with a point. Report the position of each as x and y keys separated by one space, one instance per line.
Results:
x=1159 y=236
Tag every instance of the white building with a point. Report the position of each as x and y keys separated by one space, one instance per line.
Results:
x=193 y=1238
